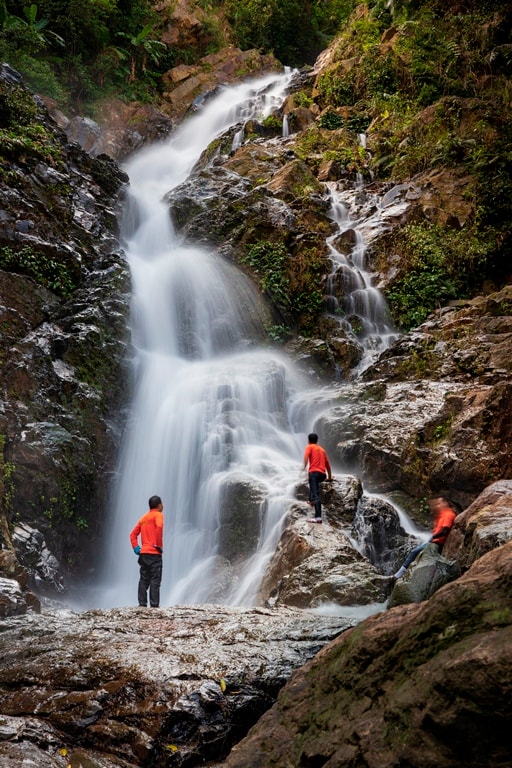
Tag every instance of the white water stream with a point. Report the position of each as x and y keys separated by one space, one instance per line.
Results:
x=210 y=406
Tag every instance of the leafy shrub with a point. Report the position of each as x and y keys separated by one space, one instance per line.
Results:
x=292 y=284
x=58 y=276
x=438 y=265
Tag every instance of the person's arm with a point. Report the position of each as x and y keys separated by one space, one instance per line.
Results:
x=159 y=530
x=441 y=535
x=328 y=468
x=306 y=459
x=134 y=538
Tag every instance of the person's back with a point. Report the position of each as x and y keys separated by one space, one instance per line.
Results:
x=150 y=527
x=443 y=523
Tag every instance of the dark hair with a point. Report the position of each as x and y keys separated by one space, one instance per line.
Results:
x=154 y=502
x=313 y=437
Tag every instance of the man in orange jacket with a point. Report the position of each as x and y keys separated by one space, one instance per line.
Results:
x=444 y=518
x=319 y=470
x=150 y=528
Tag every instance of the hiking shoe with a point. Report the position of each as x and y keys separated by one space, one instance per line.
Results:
x=314 y=520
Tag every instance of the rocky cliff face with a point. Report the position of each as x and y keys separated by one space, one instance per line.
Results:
x=64 y=292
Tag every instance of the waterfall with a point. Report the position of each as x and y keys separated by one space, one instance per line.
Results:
x=351 y=296
x=209 y=411
x=216 y=419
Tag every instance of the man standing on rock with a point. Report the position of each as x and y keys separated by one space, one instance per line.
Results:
x=319 y=470
x=444 y=517
x=151 y=530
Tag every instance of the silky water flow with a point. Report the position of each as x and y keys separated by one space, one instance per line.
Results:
x=214 y=412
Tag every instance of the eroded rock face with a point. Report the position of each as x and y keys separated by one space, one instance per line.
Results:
x=428 y=573
x=420 y=437
x=64 y=304
x=131 y=686
x=483 y=526
x=346 y=560
x=407 y=686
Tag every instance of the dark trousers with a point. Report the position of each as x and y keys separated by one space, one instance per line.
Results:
x=150 y=578
x=413 y=554
x=315 y=478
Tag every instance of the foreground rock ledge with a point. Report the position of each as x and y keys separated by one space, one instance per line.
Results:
x=138 y=687
x=424 y=686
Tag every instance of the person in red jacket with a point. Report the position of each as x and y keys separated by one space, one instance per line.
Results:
x=319 y=470
x=444 y=517
x=150 y=528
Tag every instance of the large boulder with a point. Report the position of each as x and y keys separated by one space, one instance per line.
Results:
x=428 y=573
x=425 y=684
x=483 y=526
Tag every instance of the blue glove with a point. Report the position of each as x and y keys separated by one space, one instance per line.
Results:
x=136 y=550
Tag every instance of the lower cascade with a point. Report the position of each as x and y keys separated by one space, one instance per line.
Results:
x=218 y=422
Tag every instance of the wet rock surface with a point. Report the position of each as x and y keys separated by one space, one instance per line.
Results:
x=64 y=298
x=134 y=687
x=421 y=685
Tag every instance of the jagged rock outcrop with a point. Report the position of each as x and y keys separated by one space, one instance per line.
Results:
x=345 y=561
x=64 y=297
x=423 y=685
x=483 y=526
x=133 y=687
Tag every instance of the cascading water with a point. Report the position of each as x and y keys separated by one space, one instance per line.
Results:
x=208 y=406
x=352 y=298
x=213 y=413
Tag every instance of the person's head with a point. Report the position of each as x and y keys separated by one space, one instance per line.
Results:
x=439 y=502
x=313 y=437
x=155 y=502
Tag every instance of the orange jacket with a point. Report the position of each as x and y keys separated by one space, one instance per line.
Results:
x=151 y=530
x=443 y=525
x=317 y=458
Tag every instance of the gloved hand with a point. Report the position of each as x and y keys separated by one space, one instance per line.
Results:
x=136 y=550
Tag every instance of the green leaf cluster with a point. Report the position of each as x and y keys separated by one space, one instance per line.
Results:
x=294 y=30
x=59 y=276
x=287 y=282
x=75 y=50
x=439 y=267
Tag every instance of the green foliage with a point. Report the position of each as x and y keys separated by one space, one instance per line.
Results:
x=269 y=261
x=273 y=123
x=22 y=135
x=69 y=48
x=290 y=284
x=439 y=266
x=295 y=30
x=318 y=144
x=58 y=276
x=278 y=333
x=331 y=120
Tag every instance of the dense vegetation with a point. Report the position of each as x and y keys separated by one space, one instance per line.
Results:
x=79 y=50
x=428 y=82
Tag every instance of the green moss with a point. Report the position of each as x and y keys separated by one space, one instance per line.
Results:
x=23 y=137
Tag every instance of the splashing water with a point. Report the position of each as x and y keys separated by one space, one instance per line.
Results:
x=209 y=411
x=215 y=419
x=351 y=297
